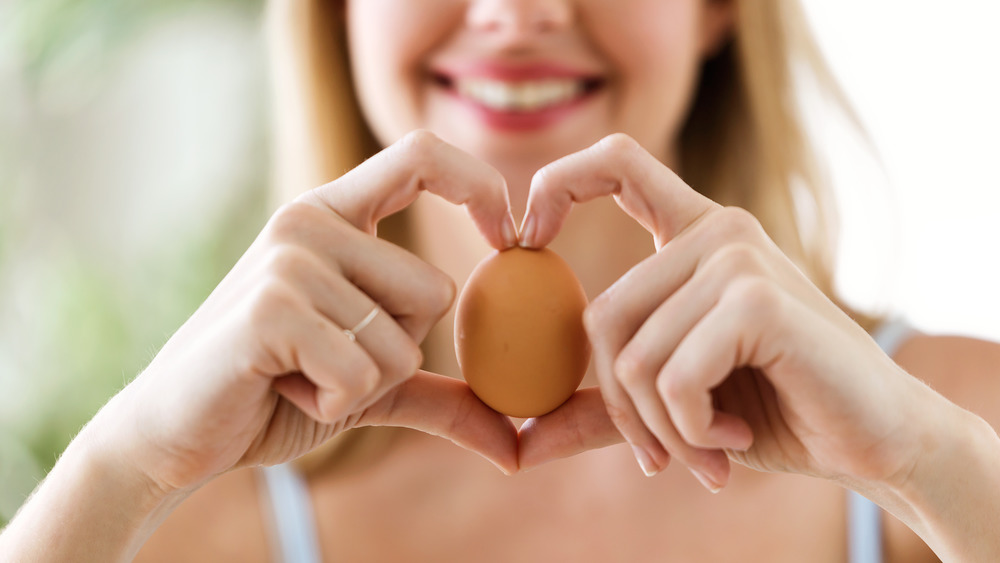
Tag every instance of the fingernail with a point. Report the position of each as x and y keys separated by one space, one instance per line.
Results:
x=528 y=232
x=708 y=483
x=645 y=460
x=509 y=232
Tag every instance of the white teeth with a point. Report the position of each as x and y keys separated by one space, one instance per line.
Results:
x=518 y=96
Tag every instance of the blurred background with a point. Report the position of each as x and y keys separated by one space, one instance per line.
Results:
x=133 y=170
x=133 y=159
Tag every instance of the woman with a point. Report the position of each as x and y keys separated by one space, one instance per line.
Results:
x=722 y=346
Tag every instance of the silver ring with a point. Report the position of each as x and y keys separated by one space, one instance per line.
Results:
x=352 y=333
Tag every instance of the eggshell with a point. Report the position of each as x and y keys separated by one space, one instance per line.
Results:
x=519 y=332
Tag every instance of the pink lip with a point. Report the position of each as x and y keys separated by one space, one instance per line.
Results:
x=509 y=120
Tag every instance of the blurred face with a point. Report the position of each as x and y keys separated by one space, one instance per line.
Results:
x=520 y=83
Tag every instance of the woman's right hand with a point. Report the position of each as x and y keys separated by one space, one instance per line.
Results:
x=263 y=372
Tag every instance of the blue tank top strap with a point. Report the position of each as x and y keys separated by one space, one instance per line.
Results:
x=864 y=517
x=864 y=529
x=893 y=333
x=294 y=538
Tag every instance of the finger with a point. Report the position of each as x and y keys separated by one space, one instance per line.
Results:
x=651 y=282
x=670 y=290
x=393 y=178
x=580 y=424
x=330 y=375
x=747 y=395
x=446 y=407
x=613 y=319
x=413 y=292
x=639 y=353
x=728 y=337
x=641 y=360
x=709 y=465
x=648 y=451
x=616 y=165
x=395 y=352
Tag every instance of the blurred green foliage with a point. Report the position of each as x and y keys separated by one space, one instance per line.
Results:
x=103 y=329
x=43 y=31
x=92 y=322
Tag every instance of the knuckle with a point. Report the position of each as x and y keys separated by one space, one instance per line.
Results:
x=413 y=359
x=405 y=360
x=596 y=316
x=755 y=297
x=740 y=224
x=289 y=221
x=271 y=300
x=548 y=185
x=630 y=370
x=287 y=261
x=496 y=180
x=735 y=259
x=331 y=404
x=369 y=377
x=418 y=151
x=359 y=377
x=419 y=143
x=620 y=145
x=670 y=388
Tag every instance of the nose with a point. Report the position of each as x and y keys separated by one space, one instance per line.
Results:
x=519 y=16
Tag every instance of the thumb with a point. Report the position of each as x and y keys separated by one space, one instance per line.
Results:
x=446 y=407
x=580 y=424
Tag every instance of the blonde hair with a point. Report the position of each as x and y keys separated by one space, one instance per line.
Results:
x=744 y=142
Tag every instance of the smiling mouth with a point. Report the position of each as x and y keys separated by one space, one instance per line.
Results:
x=522 y=96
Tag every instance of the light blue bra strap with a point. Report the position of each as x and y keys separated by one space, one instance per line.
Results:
x=864 y=517
x=891 y=334
x=864 y=532
x=291 y=515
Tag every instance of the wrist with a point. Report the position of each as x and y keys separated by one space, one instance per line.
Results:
x=127 y=440
x=109 y=462
x=941 y=432
x=949 y=491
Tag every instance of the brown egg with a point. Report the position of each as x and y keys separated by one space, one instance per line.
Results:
x=519 y=332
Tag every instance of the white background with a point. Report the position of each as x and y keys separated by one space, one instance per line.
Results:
x=925 y=79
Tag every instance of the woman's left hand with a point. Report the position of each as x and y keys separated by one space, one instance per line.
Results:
x=717 y=347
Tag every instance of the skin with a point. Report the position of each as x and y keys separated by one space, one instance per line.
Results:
x=822 y=406
x=648 y=51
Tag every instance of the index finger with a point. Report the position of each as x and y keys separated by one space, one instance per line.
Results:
x=616 y=165
x=580 y=424
x=394 y=178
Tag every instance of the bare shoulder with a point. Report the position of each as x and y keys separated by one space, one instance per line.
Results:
x=967 y=372
x=221 y=521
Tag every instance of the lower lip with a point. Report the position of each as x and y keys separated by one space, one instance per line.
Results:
x=506 y=120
